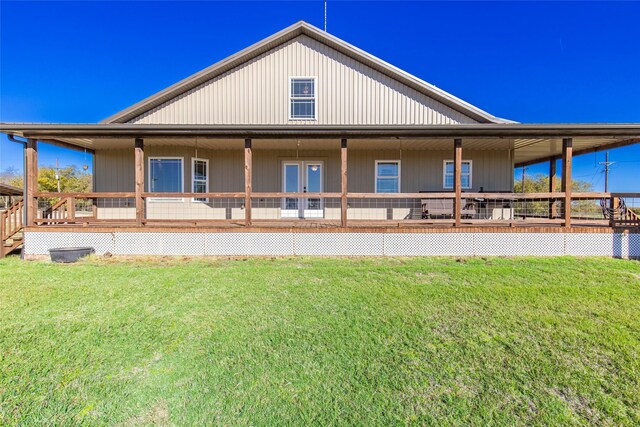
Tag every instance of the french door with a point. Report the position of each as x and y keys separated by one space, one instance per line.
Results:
x=302 y=177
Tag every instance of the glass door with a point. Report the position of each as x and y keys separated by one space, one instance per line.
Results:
x=291 y=184
x=313 y=184
x=302 y=177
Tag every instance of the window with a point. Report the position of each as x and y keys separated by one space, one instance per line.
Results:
x=465 y=174
x=200 y=177
x=387 y=176
x=302 y=91
x=165 y=175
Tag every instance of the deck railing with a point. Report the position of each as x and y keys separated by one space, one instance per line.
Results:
x=397 y=209
x=11 y=220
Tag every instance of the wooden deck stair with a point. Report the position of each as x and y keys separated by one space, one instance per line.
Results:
x=11 y=244
x=623 y=215
x=631 y=215
x=11 y=226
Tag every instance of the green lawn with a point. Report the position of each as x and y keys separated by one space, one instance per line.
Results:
x=320 y=341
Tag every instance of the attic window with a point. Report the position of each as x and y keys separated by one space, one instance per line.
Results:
x=302 y=92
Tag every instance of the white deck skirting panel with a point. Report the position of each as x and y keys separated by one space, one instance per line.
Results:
x=619 y=245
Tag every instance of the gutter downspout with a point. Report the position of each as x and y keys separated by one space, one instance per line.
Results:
x=24 y=183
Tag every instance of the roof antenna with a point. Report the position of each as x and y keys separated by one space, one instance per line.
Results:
x=325 y=16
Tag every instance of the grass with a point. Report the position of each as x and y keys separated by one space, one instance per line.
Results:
x=300 y=341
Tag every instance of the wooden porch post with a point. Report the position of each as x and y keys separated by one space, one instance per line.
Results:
x=248 y=169
x=343 y=183
x=552 y=187
x=567 y=160
x=139 y=176
x=457 y=180
x=31 y=175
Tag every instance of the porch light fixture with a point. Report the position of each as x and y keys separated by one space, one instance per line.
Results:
x=85 y=166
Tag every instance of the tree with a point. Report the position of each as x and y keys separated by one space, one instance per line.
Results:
x=539 y=183
x=11 y=176
x=72 y=179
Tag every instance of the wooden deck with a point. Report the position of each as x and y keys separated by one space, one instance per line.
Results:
x=408 y=212
x=332 y=227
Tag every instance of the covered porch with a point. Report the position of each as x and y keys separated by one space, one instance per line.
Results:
x=410 y=178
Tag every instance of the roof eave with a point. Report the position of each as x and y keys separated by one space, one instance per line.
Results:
x=515 y=130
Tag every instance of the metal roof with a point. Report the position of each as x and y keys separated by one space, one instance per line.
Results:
x=531 y=143
x=37 y=130
x=281 y=37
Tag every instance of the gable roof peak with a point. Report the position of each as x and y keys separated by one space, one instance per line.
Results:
x=302 y=28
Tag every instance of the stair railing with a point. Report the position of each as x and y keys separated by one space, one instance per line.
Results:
x=11 y=222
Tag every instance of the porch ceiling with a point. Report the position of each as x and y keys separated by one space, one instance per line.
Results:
x=525 y=150
x=530 y=143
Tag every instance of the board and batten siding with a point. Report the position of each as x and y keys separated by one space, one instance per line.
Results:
x=421 y=169
x=347 y=93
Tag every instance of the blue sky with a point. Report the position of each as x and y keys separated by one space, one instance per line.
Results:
x=531 y=62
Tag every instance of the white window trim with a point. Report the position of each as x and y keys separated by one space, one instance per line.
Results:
x=315 y=97
x=375 y=174
x=444 y=174
x=193 y=178
x=166 y=199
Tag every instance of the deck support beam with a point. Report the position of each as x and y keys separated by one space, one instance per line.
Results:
x=553 y=177
x=457 y=180
x=248 y=173
x=343 y=182
x=139 y=177
x=31 y=175
x=567 y=162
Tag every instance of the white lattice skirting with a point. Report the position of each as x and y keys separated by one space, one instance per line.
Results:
x=619 y=245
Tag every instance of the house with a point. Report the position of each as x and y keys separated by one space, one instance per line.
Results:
x=305 y=144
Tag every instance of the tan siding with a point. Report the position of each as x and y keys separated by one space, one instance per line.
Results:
x=114 y=170
x=421 y=169
x=348 y=92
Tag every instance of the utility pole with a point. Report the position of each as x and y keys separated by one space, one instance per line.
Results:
x=524 y=171
x=606 y=164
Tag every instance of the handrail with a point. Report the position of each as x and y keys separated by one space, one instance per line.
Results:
x=630 y=195
x=48 y=213
x=10 y=227
x=447 y=195
x=631 y=215
x=59 y=203
x=92 y=195
x=525 y=196
x=195 y=195
x=268 y=195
